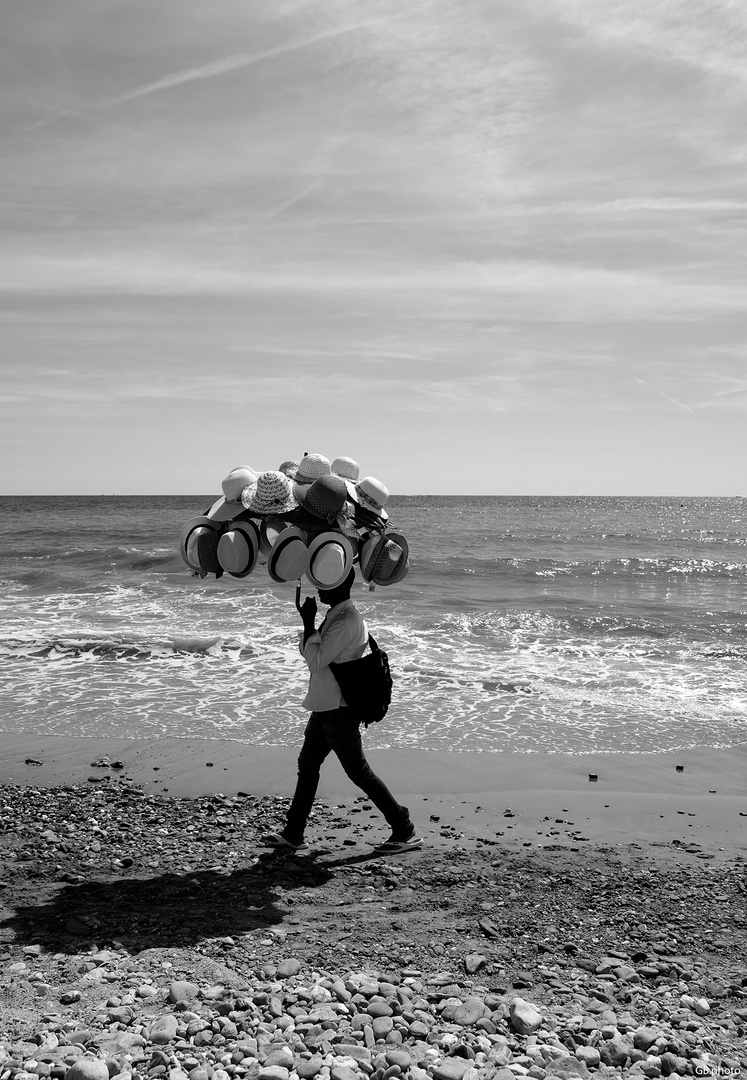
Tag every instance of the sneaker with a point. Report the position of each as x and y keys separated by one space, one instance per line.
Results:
x=282 y=843
x=403 y=839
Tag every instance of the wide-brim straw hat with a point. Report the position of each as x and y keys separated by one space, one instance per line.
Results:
x=272 y=495
x=189 y=538
x=330 y=560
x=325 y=498
x=384 y=558
x=311 y=467
x=289 y=468
x=346 y=468
x=238 y=548
x=223 y=510
x=289 y=557
x=236 y=481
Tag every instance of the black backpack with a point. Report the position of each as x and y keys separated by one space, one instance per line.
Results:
x=366 y=684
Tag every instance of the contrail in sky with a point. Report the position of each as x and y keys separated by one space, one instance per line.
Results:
x=668 y=397
x=232 y=63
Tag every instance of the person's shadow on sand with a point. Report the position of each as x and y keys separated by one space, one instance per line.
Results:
x=168 y=910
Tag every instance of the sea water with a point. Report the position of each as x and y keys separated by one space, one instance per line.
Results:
x=525 y=624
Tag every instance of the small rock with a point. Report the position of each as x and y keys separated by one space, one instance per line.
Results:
x=466 y=1012
x=524 y=1017
x=452 y=1068
x=474 y=962
x=615 y=1051
x=164 y=1029
x=88 y=1068
x=307 y=1070
x=182 y=991
x=644 y=1037
x=288 y=968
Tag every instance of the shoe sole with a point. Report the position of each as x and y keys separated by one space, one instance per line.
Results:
x=283 y=845
x=394 y=849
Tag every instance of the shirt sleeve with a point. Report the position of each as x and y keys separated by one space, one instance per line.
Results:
x=319 y=652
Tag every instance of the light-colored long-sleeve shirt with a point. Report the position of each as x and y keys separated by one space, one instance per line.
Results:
x=343 y=636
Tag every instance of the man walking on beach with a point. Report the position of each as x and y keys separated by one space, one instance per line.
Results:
x=333 y=725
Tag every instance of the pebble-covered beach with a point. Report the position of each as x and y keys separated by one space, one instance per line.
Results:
x=150 y=936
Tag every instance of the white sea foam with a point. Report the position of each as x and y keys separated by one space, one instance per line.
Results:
x=556 y=625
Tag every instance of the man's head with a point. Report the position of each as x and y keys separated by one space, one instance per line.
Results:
x=331 y=597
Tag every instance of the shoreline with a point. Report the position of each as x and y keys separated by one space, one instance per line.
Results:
x=692 y=801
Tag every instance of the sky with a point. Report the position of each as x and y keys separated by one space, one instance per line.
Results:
x=479 y=246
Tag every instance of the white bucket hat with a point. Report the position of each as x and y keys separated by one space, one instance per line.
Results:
x=289 y=557
x=236 y=481
x=330 y=560
x=272 y=494
x=311 y=467
x=346 y=468
x=238 y=548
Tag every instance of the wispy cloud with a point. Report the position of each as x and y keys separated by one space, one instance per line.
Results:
x=223 y=66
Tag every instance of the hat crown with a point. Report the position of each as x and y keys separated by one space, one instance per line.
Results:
x=330 y=560
x=328 y=493
x=272 y=494
x=346 y=468
x=236 y=481
x=311 y=467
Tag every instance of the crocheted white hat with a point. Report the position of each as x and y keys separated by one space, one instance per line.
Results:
x=346 y=468
x=272 y=494
x=311 y=467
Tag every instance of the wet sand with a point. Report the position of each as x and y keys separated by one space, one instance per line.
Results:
x=694 y=799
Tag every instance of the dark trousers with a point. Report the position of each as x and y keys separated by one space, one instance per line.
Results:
x=337 y=730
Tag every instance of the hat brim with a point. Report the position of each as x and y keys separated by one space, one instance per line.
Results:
x=238 y=549
x=289 y=557
x=189 y=537
x=271 y=528
x=271 y=509
x=223 y=510
x=337 y=567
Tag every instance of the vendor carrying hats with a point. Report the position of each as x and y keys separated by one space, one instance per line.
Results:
x=334 y=725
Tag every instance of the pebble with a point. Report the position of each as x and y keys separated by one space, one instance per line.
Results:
x=525 y=1018
x=88 y=1069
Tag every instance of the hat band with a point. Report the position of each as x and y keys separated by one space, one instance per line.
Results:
x=366 y=498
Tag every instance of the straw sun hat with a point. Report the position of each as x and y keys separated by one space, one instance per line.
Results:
x=346 y=468
x=272 y=494
x=311 y=467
